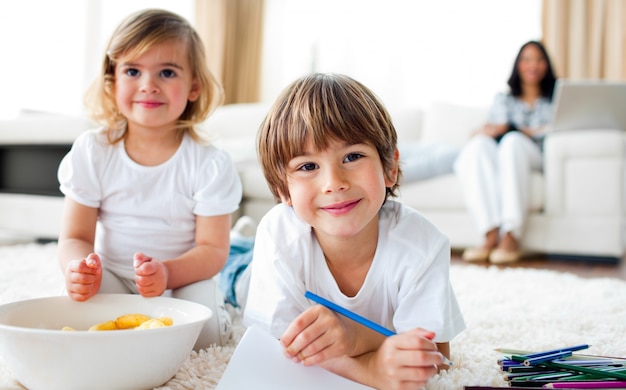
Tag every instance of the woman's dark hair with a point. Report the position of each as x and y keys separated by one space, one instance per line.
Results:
x=546 y=84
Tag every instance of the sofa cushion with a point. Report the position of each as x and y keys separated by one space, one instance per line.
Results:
x=441 y=192
x=236 y=120
x=444 y=193
x=233 y=128
x=253 y=182
x=408 y=123
x=451 y=123
x=43 y=129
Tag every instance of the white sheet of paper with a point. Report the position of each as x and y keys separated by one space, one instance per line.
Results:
x=259 y=363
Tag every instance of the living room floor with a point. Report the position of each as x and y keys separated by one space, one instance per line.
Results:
x=587 y=268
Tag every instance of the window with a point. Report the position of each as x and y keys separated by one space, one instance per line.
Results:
x=53 y=49
x=406 y=51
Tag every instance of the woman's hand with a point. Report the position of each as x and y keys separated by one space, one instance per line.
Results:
x=150 y=275
x=316 y=335
x=493 y=131
x=534 y=132
x=83 y=277
x=407 y=360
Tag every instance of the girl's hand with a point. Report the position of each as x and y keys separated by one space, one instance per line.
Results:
x=316 y=335
x=150 y=276
x=83 y=277
x=405 y=361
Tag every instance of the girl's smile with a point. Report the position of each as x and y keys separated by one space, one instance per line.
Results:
x=149 y=103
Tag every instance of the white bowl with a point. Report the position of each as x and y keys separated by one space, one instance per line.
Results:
x=42 y=356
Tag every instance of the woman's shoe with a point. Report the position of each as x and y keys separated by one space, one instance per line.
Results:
x=501 y=256
x=476 y=254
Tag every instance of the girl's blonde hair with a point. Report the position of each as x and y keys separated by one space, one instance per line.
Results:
x=323 y=108
x=133 y=37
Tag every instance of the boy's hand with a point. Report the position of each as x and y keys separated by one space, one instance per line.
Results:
x=316 y=335
x=405 y=361
x=150 y=276
x=83 y=277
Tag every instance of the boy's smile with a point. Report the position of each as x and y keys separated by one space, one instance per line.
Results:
x=341 y=208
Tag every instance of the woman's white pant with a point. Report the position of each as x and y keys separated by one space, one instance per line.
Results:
x=495 y=180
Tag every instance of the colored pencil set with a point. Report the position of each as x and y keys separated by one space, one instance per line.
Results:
x=561 y=369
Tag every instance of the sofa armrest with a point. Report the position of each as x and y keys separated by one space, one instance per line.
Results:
x=584 y=173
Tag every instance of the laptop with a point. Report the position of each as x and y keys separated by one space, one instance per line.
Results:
x=589 y=104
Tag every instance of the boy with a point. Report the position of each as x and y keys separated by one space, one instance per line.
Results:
x=328 y=152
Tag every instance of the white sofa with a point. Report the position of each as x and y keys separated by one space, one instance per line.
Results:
x=577 y=205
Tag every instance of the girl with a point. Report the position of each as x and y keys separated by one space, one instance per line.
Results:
x=494 y=167
x=147 y=202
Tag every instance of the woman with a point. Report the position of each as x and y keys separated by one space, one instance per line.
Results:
x=494 y=168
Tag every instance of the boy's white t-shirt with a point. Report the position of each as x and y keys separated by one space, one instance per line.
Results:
x=147 y=208
x=407 y=286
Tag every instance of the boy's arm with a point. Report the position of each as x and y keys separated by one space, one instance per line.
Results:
x=340 y=345
x=319 y=334
x=407 y=358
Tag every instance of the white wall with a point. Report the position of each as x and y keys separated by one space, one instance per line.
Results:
x=407 y=51
x=53 y=49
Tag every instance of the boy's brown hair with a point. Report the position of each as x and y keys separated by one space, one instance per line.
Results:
x=323 y=108
x=134 y=36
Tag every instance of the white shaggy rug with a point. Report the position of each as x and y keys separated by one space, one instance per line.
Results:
x=512 y=308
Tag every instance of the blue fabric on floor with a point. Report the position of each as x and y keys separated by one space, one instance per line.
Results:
x=239 y=257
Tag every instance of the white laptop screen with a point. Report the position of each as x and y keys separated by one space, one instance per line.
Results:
x=587 y=104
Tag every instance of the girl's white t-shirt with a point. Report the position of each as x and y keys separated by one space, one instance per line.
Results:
x=407 y=286
x=147 y=208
